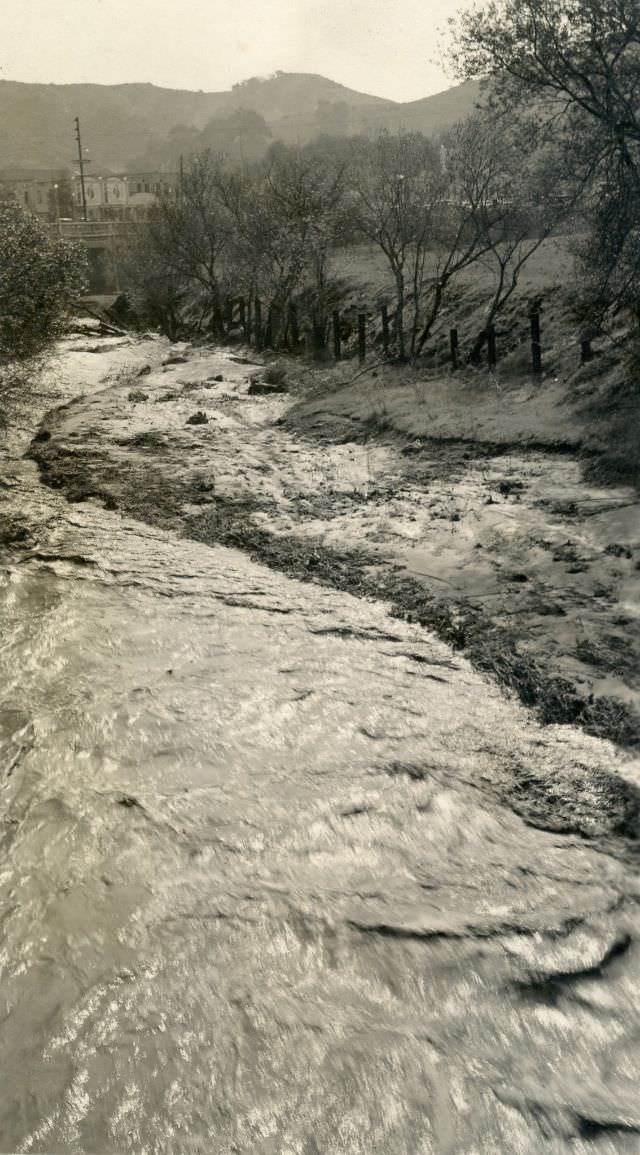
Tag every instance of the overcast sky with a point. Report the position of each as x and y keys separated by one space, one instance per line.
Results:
x=390 y=48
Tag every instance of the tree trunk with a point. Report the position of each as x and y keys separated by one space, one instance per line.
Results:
x=433 y=315
x=399 y=319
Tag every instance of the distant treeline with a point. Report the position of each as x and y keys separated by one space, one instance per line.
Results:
x=268 y=231
x=555 y=147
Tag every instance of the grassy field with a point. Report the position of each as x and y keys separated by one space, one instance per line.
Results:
x=594 y=407
x=366 y=267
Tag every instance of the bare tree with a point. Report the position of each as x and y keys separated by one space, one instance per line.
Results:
x=398 y=186
x=159 y=293
x=190 y=232
x=507 y=194
x=580 y=56
x=575 y=66
x=287 y=218
x=463 y=225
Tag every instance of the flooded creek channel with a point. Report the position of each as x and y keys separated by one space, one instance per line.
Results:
x=258 y=892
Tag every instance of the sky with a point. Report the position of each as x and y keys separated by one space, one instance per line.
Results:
x=390 y=48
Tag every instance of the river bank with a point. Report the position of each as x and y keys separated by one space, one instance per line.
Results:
x=501 y=546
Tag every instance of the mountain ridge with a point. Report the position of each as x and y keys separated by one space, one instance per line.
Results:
x=130 y=120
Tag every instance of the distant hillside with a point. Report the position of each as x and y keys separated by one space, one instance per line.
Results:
x=123 y=121
x=436 y=113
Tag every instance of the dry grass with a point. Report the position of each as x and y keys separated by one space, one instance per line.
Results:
x=365 y=266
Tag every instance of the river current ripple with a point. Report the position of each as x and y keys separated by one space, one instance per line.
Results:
x=254 y=894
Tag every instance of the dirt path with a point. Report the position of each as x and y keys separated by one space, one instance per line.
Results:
x=505 y=551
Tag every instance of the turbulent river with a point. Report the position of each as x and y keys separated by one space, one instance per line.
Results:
x=256 y=893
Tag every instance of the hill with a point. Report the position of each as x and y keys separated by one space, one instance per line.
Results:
x=123 y=121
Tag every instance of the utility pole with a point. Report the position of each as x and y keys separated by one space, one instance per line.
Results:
x=81 y=162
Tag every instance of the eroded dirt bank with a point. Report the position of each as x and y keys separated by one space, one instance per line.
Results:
x=499 y=546
x=265 y=886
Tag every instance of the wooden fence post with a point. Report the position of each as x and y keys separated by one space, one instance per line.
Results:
x=276 y=321
x=294 y=327
x=385 y=329
x=268 y=332
x=218 y=321
x=362 y=337
x=491 y=347
x=453 y=345
x=337 y=347
x=536 y=347
x=318 y=336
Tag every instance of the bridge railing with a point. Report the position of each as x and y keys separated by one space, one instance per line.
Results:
x=79 y=230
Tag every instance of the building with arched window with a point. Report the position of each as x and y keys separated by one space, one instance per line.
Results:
x=122 y=196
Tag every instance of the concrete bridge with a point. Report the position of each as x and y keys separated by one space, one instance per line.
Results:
x=104 y=242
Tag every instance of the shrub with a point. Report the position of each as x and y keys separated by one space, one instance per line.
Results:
x=40 y=275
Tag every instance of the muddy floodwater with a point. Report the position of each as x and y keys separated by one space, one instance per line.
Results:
x=258 y=891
